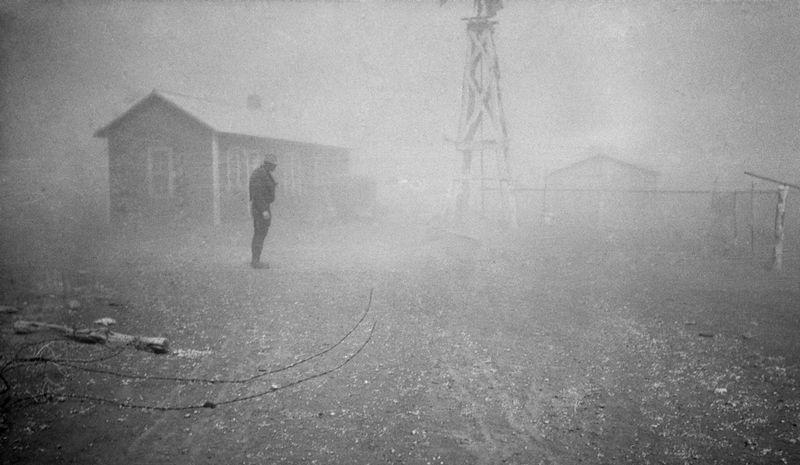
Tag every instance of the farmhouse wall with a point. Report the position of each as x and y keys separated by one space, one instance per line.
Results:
x=157 y=126
x=304 y=174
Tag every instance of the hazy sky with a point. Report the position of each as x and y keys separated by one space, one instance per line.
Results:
x=697 y=90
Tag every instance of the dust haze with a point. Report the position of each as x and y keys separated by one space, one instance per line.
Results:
x=699 y=91
x=630 y=128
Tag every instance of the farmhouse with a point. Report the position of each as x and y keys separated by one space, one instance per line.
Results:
x=177 y=156
x=601 y=192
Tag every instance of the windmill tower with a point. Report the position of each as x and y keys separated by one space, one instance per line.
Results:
x=482 y=125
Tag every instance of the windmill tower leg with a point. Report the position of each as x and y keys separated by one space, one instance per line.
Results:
x=507 y=197
x=464 y=187
x=481 y=116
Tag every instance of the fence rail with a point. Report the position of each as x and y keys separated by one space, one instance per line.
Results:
x=736 y=221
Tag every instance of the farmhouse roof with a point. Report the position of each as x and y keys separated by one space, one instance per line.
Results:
x=603 y=158
x=226 y=118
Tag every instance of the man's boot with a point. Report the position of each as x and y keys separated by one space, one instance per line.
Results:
x=255 y=256
x=255 y=261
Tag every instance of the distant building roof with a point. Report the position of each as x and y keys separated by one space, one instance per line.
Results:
x=602 y=158
x=230 y=119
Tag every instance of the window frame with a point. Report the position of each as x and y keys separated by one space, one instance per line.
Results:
x=152 y=190
x=240 y=162
x=233 y=157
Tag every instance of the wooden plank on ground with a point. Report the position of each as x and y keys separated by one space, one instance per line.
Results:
x=158 y=345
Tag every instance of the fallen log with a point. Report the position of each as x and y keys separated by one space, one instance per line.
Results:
x=158 y=345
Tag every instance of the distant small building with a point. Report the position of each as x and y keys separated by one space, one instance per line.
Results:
x=172 y=155
x=601 y=192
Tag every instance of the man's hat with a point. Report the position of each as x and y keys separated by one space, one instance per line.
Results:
x=270 y=158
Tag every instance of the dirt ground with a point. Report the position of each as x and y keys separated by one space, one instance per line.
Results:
x=522 y=350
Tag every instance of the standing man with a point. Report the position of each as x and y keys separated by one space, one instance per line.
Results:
x=262 y=194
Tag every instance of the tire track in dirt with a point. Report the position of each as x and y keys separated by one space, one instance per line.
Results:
x=159 y=439
x=208 y=426
x=497 y=374
x=503 y=422
x=233 y=430
x=475 y=401
x=169 y=438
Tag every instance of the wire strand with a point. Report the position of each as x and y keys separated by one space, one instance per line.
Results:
x=249 y=379
x=39 y=398
x=208 y=404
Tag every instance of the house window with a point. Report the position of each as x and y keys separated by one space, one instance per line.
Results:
x=244 y=169
x=239 y=165
x=160 y=172
x=288 y=172
x=235 y=167
x=253 y=157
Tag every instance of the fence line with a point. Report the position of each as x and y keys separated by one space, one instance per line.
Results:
x=740 y=221
x=636 y=191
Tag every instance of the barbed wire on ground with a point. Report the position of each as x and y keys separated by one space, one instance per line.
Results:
x=72 y=364
x=113 y=352
x=45 y=397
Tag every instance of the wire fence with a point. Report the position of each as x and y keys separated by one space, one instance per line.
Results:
x=52 y=213
x=733 y=222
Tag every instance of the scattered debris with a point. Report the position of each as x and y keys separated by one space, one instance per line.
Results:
x=191 y=353
x=8 y=309
x=105 y=321
x=157 y=345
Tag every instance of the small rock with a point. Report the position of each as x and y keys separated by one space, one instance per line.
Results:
x=105 y=321
x=8 y=309
x=73 y=304
x=720 y=391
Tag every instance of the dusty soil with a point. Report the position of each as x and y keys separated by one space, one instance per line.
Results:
x=525 y=350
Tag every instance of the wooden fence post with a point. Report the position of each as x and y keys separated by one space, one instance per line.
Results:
x=735 y=223
x=780 y=214
x=752 y=219
x=216 y=208
x=545 y=211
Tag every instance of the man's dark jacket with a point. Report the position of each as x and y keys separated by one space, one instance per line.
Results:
x=262 y=189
